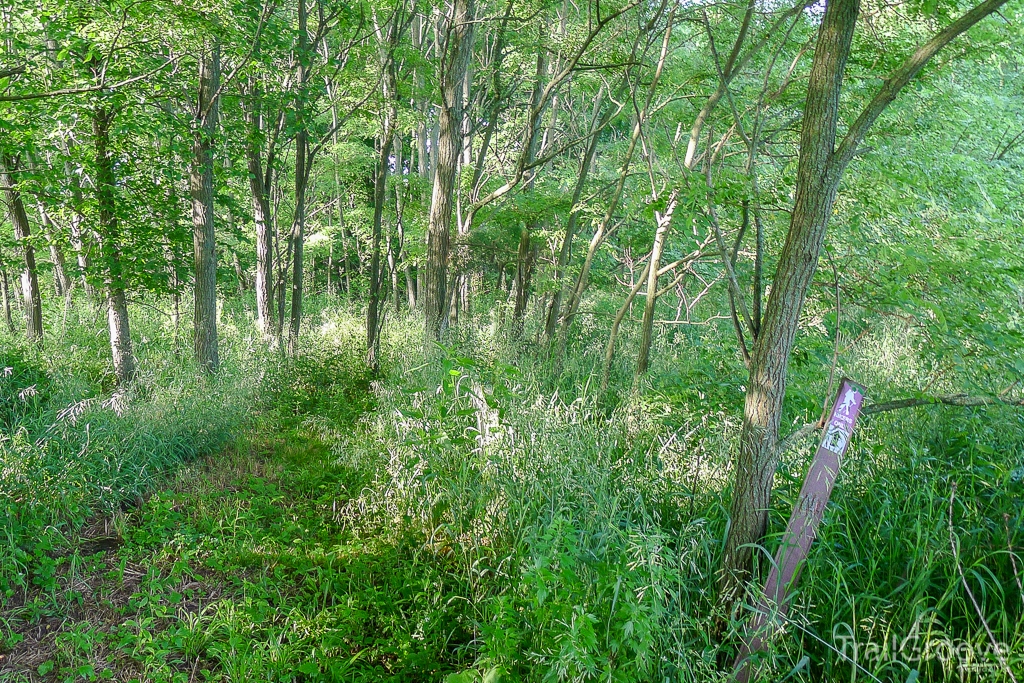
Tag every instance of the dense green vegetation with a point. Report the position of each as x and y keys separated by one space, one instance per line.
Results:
x=492 y=341
x=351 y=531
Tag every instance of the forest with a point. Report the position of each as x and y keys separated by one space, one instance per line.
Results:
x=487 y=341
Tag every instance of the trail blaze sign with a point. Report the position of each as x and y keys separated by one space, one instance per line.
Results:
x=803 y=523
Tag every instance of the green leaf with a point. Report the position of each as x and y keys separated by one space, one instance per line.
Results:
x=308 y=668
x=493 y=675
x=467 y=676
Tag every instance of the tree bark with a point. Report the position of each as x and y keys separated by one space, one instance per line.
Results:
x=203 y=232
x=175 y=287
x=110 y=251
x=410 y=287
x=603 y=230
x=22 y=233
x=565 y=252
x=458 y=51
x=609 y=352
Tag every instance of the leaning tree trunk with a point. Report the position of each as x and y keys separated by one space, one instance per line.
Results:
x=820 y=168
x=22 y=233
x=110 y=251
x=449 y=147
x=565 y=252
x=815 y=195
x=203 y=235
x=664 y=220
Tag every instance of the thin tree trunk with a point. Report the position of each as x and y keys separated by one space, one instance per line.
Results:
x=175 y=286
x=301 y=180
x=609 y=351
x=449 y=145
x=647 y=326
x=62 y=283
x=203 y=232
x=110 y=251
x=602 y=232
x=565 y=252
x=22 y=233
x=379 y=197
x=410 y=287
x=6 y=291
x=396 y=248
x=524 y=273
x=239 y=273
x=77 y=236
x=264 y=251
x=526 y=255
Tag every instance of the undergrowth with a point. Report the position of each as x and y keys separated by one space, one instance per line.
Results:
x=465 y=516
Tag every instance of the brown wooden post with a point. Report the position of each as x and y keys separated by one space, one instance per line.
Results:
x=803 y=523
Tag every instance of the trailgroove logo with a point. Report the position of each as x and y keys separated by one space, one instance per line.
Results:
x=921 y=648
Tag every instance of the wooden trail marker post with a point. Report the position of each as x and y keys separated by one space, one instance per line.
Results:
x=803 y=523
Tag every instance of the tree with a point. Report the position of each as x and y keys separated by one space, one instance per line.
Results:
x=203 y=228
x=820 y=168
x=108 y=236
x=456 y=53
x=389 y=127
x=23 y=233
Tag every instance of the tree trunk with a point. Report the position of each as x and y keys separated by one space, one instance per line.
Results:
x=379 y=197
x=301 y=179
x=565 y=252
x=110 y=251
x=647 y=326
x=396 y=246
x=62 y=283
x=458 y=52
x=527 y=253
x=524 y=273
x=5 y=290
x=239 y=273
x=605 y=229
x=77 y=236
x=264 y=256
x=203 y=234
x=22 y=233
x=175 y=287
x=627 y=305
x=410 y=287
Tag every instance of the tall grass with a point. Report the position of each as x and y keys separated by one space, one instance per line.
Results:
x=72 y=448
x=560 y=534
x=588 y=528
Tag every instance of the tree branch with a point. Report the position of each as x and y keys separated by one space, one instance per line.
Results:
x=892 y=87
